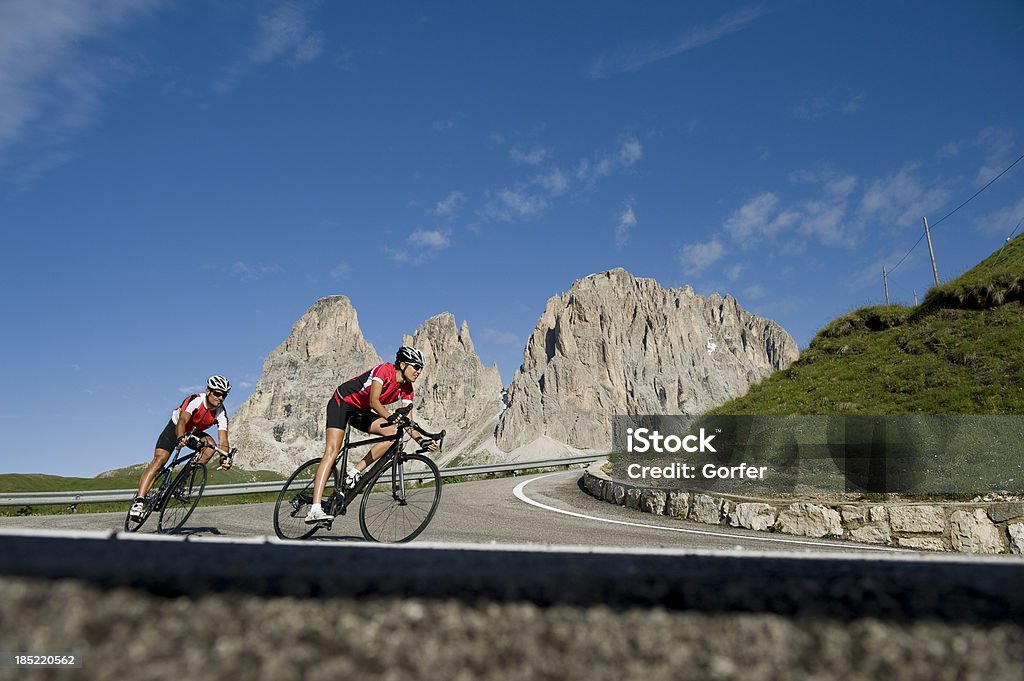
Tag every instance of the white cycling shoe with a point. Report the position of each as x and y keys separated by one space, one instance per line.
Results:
x=317 y=515
x=351 y=478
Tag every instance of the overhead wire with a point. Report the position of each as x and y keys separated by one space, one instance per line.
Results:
x=936 y=224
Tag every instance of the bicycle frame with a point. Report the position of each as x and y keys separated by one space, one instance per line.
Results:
x=345 y=498
x=379 y=518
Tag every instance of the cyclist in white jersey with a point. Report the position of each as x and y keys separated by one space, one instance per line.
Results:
x=196 y=413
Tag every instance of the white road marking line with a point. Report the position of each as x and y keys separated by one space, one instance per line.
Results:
x=521 y=495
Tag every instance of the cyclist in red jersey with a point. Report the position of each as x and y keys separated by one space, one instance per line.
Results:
x=197 y=413
x=360 y=401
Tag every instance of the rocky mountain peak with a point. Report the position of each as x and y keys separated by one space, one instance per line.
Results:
x=618 y=344
x=283 y=421
x=455 y=390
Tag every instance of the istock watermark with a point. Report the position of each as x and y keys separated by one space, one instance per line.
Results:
x=643 y=440
x=919 y=454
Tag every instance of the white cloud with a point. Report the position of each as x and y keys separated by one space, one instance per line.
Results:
x=535 y=156
x=901 y=199
x=285 y=32
x=627 y=221
x=283 y=35
x=47 y=77
x=755 y=292
x=525 y=199
x=449 y=205
x=430 y=238
x=630 y=152
x=823 y=219
x=513 y=203
x=695 y=258
x=998 y=145
x=842 y=186
x=1003 y=221
x=752 y=218
x=734 y=272
x=818 y=106
x=340 y=271
x=443 y=125
x=248 y=271
x=633 y=59
x=602 y=165
x=423 y=245
x=853 y=105
x=555 y=182
x=310 y=49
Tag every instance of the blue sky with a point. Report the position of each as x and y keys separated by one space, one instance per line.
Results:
x=179 y=182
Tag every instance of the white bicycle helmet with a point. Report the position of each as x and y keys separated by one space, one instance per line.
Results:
x=409 y=355
x=219 y=383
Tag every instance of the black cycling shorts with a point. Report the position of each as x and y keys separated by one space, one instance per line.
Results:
x=168 y=439
x=340 y=413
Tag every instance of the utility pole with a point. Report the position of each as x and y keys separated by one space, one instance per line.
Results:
x=885 y=284
x=915 y=297
x=931 y=251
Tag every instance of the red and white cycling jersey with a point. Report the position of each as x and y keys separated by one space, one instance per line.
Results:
x=356 y=391
x=202 y=417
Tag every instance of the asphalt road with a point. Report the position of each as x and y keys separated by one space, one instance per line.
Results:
x=662 y=600
x=489 y=511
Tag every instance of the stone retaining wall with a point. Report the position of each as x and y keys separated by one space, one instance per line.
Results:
x=996 y=527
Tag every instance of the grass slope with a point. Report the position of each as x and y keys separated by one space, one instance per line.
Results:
x=960 y=352
x=125 y=478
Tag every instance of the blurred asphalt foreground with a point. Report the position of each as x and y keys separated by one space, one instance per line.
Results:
x=165 y=608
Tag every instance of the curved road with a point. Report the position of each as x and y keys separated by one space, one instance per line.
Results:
x=451 y=607
x=544 y=509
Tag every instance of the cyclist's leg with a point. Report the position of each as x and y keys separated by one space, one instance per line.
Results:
x=165 y=443
x=337 y=419
x=335 y=436
x=376 y=427
x=160 y=457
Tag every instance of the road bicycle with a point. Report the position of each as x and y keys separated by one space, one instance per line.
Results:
x=400 y=491
x=176 y=495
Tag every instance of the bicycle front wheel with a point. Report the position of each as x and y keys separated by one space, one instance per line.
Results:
x=295 y=499
x=182 y=498
x=400 y=500
x=152 y=499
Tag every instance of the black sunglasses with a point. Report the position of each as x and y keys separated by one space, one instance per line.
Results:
x=219 y=393
x=417 y=367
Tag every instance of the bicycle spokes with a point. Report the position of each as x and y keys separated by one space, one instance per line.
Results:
x=407 y=502
x=295 y=499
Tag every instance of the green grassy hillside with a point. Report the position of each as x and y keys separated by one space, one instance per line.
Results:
x=960 y=352
x=124 y=478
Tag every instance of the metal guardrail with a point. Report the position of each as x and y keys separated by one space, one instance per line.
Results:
x=101 y=495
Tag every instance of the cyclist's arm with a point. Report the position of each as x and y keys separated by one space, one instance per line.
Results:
x=431 y=444
x=375 y=389
x=222 y=430
x=181 y=427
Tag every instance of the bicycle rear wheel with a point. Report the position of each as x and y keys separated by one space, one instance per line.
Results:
x=152 y=498
x=400 y=500
x=183 y=497
x=295 y=499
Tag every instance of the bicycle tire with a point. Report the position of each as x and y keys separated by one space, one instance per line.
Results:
x=400 y=513
x=295 y=499
x=152 y=498
x=182 y=498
